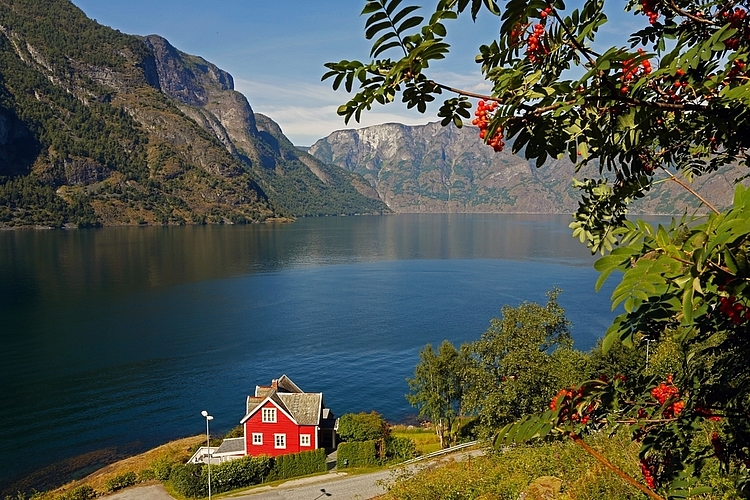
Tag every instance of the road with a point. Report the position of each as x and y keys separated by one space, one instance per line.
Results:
x=335 y=485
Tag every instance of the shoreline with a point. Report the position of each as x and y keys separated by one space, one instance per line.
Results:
x=90 y=468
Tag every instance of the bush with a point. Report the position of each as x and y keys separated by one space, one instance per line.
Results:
x=239 y=473
x=357 y=454
x=120 y=481
x=84 y=492
x=298 y=464
x=362 y=427
x=146 y=475
x=162 y=467
x=400 y=448
x=189 y=480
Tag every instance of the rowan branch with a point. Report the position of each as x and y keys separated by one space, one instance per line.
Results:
x=577 y=439
x=689 y=15
x=690 y=190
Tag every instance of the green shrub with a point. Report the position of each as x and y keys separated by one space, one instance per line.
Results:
x=84 y=492
x=236 y=432
x=357 y=454
x=189 y=480
x=400 y=448
x=239 y=473
x=120 y=481
x=298 y=464
x=363 y=427
x=162 y=467
x=146 y=475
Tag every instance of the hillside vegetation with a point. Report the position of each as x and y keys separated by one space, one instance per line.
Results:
x=102 y=128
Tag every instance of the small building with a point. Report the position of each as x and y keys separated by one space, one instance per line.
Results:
x=279 y=419
x=282 y=418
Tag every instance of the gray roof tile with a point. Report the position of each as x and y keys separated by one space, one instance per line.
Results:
x=231 y=445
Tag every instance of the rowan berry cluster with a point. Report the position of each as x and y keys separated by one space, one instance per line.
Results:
x=738 y=69
x=571 y=406
x=705 y=412
x=664 y=392
x=737 y=19
x=536 y=45
x=649 y=165
x=484 y=113
x=632 y=71
x=649 y=8
x=736 y=311
x=648 y=468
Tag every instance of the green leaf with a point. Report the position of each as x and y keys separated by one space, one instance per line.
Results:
x=405 y=12
x=376 y=28
x=409 y=23
x=687 y=305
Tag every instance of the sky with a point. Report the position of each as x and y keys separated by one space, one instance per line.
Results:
x=276 y=49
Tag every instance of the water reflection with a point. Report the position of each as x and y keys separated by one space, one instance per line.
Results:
x=117 y=335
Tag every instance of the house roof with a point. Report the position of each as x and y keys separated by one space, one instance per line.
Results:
x=231 y=446
x=304 y=408
x=281 y=384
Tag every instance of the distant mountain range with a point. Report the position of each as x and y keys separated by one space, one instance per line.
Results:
x=431 y=168
x=102 y=128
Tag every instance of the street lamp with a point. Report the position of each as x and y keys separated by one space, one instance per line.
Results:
x=208 y=445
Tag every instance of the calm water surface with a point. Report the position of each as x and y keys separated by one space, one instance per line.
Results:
x=115 y=339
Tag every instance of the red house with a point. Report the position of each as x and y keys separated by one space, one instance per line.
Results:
x=282 y=419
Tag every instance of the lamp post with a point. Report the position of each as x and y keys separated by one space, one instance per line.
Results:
x=208 y=445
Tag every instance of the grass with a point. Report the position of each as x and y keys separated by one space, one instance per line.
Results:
x=508 y=474
x=424 y=437
x=178 y=451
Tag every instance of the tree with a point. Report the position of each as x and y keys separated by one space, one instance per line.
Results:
x=363 y=427
x=438 y=388
x=671 y=105
x=520 y=362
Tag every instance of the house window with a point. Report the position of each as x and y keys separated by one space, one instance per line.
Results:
x=279 y=441
x=269 y=415
x=257 y=438
x=304 y=439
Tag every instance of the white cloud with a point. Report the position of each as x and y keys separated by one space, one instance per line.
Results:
x=307 y=112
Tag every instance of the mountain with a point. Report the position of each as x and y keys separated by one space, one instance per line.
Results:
x=102 y=128
x=430 y=168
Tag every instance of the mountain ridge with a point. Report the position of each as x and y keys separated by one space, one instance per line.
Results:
x=431 y=168
x=102 y=128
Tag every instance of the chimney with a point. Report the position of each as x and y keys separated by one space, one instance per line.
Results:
x=275 y=384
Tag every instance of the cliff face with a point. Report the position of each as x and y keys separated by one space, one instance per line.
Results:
x=99 y=127
x=431 y=168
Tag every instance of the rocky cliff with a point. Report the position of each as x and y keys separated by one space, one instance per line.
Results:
x=431 y=168
x=99 y=127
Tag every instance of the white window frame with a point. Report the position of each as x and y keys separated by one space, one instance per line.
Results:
x=268 y=415
x=257 y=438
x=279 y=441
x=304 y=440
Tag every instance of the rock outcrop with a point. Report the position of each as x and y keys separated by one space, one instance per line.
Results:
x=431 y=168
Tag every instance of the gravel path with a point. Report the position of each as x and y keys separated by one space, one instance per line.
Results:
x=151 y=492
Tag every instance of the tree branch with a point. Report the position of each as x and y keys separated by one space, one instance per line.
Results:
x=577 y=439
x=690 y=190
x=689 y=15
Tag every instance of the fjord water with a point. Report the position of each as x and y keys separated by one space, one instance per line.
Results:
x=117 y=338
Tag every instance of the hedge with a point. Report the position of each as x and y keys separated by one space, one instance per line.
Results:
x=400 y=448
x=191 y=480
x=239 y=473
x=357 y=454
x=188 y=480
x=298 y=464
